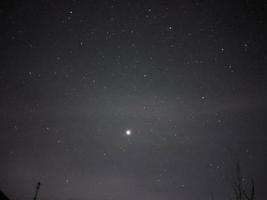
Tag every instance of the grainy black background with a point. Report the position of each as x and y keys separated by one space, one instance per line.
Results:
x=188 y=78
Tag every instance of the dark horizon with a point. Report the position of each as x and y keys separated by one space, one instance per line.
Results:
x=132 y=100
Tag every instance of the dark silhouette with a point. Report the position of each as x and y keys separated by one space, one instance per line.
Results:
x=37 y=191
x=241 y=188
x=3 y=196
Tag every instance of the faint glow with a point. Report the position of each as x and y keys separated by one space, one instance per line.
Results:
x=128 y=132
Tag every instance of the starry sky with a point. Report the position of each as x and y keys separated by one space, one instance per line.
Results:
x=113 y=99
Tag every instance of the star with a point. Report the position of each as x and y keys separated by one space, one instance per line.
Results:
x=128 y=132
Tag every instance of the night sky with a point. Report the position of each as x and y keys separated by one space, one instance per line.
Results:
x=127 y=100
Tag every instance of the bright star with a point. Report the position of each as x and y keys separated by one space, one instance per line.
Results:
x=128 y=132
